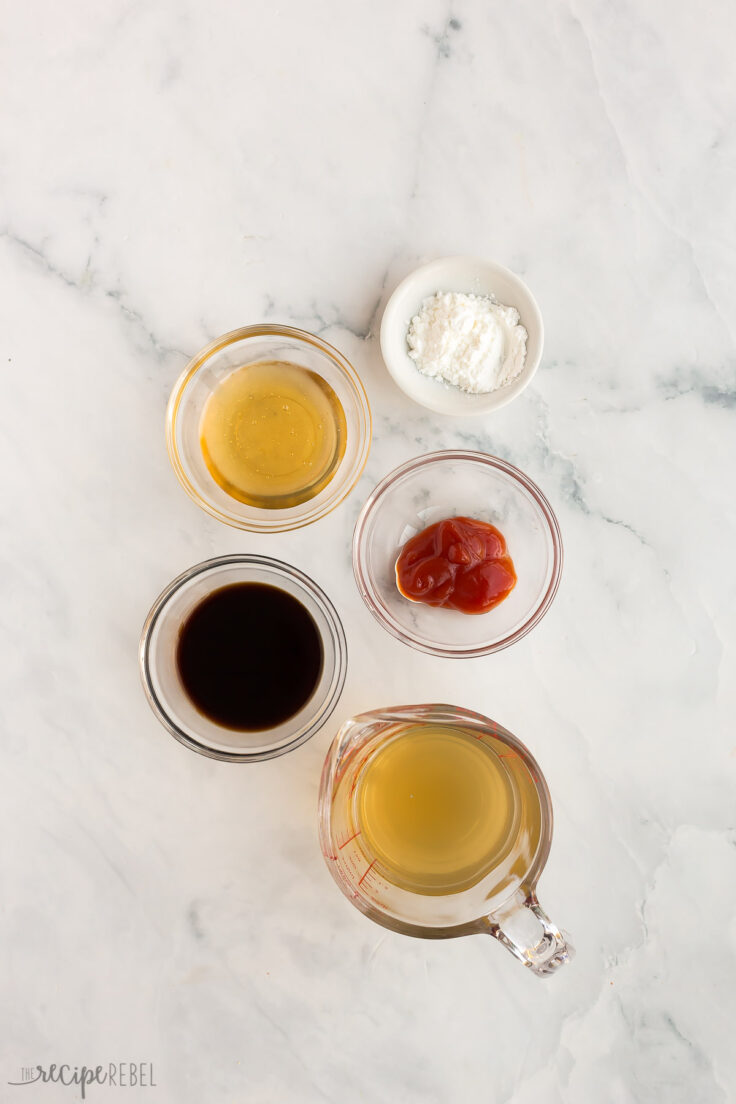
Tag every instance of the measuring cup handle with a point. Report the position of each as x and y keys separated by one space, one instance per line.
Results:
x=526 y=930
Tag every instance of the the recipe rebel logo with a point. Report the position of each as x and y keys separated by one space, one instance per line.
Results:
x=117 y=1075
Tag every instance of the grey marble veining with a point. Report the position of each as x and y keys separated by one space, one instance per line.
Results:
x=171 y=171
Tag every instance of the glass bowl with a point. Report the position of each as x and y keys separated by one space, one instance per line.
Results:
x=203 y=375
x=448 y=484
x=161 y=682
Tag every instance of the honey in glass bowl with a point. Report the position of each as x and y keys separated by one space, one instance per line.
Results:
x=273 y=434
x=268 y=428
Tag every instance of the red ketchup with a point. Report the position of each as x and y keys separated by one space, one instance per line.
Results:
x=460 y=563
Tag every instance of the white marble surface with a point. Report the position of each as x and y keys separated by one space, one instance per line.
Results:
x=173 y=170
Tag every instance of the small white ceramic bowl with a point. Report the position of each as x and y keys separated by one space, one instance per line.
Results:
x=470 y=276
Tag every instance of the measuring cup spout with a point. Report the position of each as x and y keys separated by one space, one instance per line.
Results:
x=525 y=929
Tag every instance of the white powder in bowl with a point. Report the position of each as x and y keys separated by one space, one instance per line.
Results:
x=471 y=341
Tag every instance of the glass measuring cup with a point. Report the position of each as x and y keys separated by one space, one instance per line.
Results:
x=502 y=902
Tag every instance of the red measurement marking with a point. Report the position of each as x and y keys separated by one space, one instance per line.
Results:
x=347 y=841
x=511 y=755
x=356 y=776
x=515 y=755
x=367 y=872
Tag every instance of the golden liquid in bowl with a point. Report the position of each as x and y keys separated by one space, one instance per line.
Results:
x=273 y=434
x=438 y=810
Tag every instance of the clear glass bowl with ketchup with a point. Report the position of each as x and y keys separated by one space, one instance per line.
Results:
x=449 y=484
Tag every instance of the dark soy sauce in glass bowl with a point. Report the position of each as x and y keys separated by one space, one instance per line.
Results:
x=249 y=656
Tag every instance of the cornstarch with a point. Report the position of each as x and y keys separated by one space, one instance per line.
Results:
x=470 y=341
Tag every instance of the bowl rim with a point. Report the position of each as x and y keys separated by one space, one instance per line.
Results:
x=279 y=568
x=380 y=613
x=480 y=404
x=270 y=522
